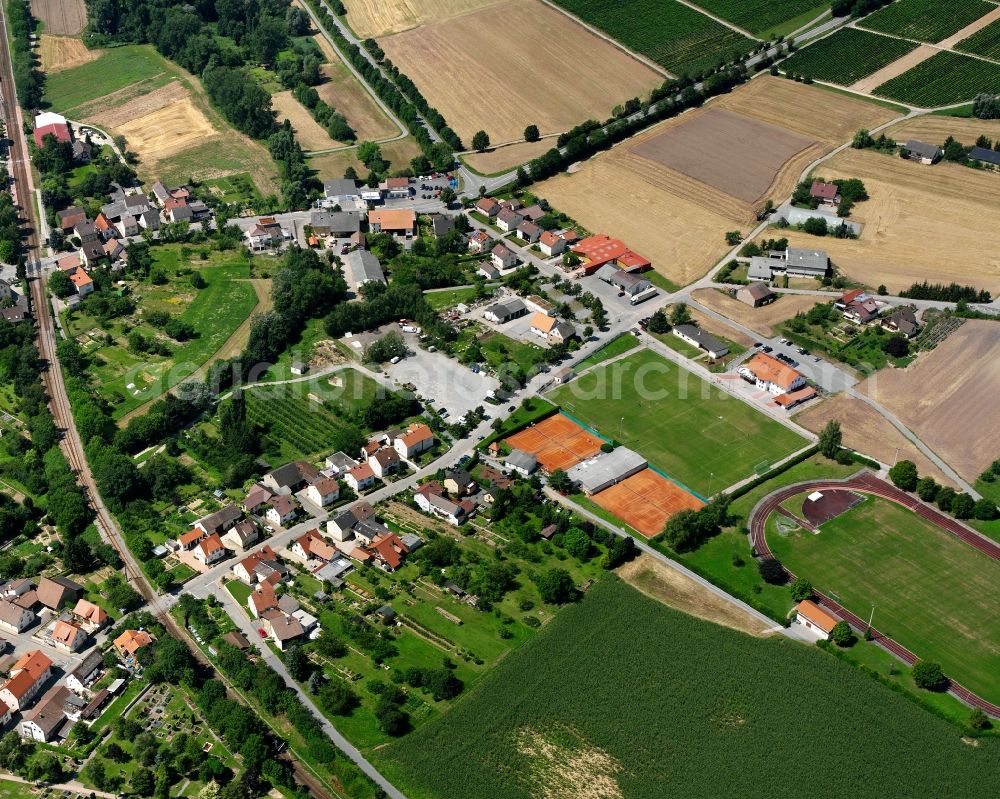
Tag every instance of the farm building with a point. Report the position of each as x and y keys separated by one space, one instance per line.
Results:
x=340 y=192
x=755 y=294
x=985 y=156
x=542 y=324
x=799 y=216
x=813 y=617
x=793 y=261
x=361 y=267
x=398 y=222
x=604 y=470
x=599 y=250
x=826 y=193
x=771 y=374
x=922 y=152
x=629 y=282
x=538 y=304
x=49 y=124
x=700 y=339
x=505 y=311
x=561 y=333
x=902 y=321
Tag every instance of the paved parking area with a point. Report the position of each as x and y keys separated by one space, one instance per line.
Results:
x=443 y=382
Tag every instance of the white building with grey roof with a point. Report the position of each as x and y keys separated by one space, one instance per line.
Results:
x=361 y=267
x=604 y=470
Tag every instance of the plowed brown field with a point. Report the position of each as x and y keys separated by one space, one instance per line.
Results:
x=761 y=319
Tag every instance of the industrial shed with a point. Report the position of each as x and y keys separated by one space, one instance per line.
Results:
x=604 y=470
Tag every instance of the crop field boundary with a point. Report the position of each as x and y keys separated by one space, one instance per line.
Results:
x=865 y=482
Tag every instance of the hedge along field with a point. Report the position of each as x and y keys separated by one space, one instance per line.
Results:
x=943 y=79
x=760 y=16
x=676 y=37
x=984 y=42
x=926 y=20
x=668 y=705
x=847 y=56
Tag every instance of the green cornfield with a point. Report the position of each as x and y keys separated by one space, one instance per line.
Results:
x=984 y=42
x=945 y=78
x=623 y=692
x=926 y=20
x=678 y=38
x=847 y=56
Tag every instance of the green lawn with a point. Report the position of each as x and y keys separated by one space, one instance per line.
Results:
x=623 y=697
x=499 y=350
x=128 y=379
x=702 y=437
x=439 y=300
x=935 y=595
x=114 y=69
x=239 y=591
x=612 y=349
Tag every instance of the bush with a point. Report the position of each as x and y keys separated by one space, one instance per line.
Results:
x=928 y=675
x=772 y=572
x=842 y=634
x=904 y=475
x=801 y=589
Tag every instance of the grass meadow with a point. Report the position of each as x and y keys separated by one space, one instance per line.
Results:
x=113 y=70
x=695 y=433
x=938 y=597
x=623 y=694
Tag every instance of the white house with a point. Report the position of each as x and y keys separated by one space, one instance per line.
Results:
x=83 y=676
x=282 y=510
x=417 y=438
x=244 y=535
x=383 y=462
x=551 y=243
x=503 y=257
x=210 y=550
x=14 y=618
x=771 y=374
x=814 y=618
x=323 y=492
x=360 y=477
x=27 y=677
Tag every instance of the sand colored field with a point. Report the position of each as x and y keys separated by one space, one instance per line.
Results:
x=307 y=130
x=342 y=91
x=167 y=131
x=935 y=129
x=867 y=431
x=504 y=158
x=332 y=165
x=897 y=67
x=645 y=501
x=675 y=589
x=682 y=238
x=61 y=17
x=125 y=110
x=384 y=17
x=517 y=63
x=557 y=442
x=718 y=328
x=921 y=223
x=761 y=320
x=63 y=52
x=810 y=110
x=730 y=152
x=948 y=396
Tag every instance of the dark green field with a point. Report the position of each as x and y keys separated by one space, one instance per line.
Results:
x=623 y=695
x=926 y=20
x=985 y=42
x=938 y=597
x=763 y=17
x=676 y=37
x=847 y=56
x=945 y=78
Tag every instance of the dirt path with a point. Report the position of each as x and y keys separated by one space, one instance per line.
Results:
x=678 y=591
x=970 y=29
x=897 y=67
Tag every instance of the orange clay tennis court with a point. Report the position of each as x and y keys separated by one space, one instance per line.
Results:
x=557 y=442
x=645 y=501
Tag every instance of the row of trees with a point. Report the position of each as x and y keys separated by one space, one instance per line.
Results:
x=29 y=81
x=946 y=293
x=904 y=476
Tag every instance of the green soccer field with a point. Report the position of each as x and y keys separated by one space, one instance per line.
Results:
x=935 y=595
x=681 y=424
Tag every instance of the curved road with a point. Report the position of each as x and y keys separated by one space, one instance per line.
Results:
x=867 y=483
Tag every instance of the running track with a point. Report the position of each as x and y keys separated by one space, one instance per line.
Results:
x=868 y=483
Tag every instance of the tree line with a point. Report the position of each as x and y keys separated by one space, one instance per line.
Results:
x=945 y=293
x=29 y=81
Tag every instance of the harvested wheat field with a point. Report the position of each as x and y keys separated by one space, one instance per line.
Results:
x=332 y=165
x=343 y=91
x=717 y=328
x=167 y=131
x=501 y=159
x=373 y=18
x=63 y=52
x=809 y=110
x=517 y=63
x=675 y=589
x=760 y=320
x=948 y=396
x=307 y=130
x=681 y=237
x=920 y=224
x=935 y=129
x=125 y=110
x=61 y=17
x=739 y=156
x=868 y=432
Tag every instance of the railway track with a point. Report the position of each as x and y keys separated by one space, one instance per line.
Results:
x=869 y=484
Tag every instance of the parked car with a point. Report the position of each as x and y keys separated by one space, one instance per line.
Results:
x=758 y=344
x=262 y=633
x=512 y=408
x=768 y=349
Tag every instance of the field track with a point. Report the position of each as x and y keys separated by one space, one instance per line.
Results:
x=867 y=483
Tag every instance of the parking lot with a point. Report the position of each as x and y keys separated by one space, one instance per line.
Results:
x=443 y=382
